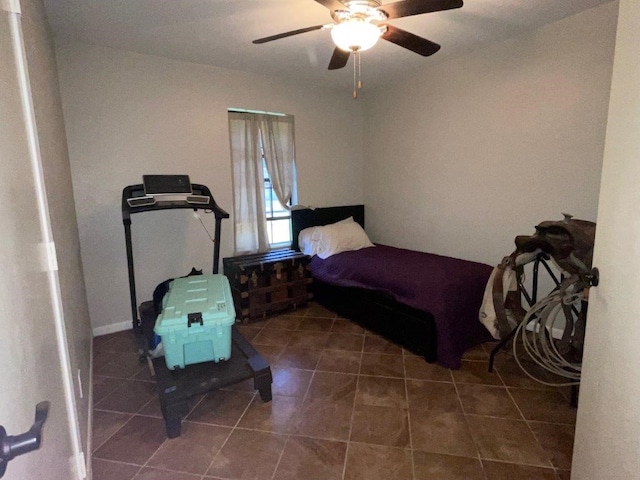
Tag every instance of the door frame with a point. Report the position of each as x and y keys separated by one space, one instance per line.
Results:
x=49 y=262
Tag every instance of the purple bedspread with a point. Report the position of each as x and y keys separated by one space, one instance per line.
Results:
x=449 y=288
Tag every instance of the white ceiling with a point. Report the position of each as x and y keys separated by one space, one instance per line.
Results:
x=219 y=32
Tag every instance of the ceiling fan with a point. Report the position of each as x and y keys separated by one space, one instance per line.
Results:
x=360 y=23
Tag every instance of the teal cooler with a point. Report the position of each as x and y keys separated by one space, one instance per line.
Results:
x=195 y=323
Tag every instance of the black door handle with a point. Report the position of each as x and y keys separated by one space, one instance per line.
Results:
x=593 y=277
x=12 y=446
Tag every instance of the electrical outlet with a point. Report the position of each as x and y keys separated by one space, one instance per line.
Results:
x=80 y=384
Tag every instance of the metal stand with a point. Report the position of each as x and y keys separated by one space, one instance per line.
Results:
x=531 y=300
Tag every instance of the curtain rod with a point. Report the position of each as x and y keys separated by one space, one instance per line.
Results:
x=257 y=112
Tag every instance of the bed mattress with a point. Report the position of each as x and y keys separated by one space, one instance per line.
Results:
x=449 y=288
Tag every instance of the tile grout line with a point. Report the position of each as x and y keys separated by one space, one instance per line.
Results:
x=165 y=469
x=525 y=420
x=275 y=469
x=353 y=413
x=466 y=421
x=181 y=421
x=146 y=464
x=230 y=433
x=406 y=396
x=288 y=434
x=531 y=465
x=522 y=418
x=153 y=454
x=133 y=415
x=124 y=463
x=110 y=436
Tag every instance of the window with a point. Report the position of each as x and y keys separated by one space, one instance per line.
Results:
x=264 y=179
x=278 y=217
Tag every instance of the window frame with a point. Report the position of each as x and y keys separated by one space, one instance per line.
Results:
x=268 y=193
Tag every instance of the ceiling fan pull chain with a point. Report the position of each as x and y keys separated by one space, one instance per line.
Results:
x=356 y=58
x=359 y=73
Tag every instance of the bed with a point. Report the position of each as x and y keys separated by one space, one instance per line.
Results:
x=427 y=303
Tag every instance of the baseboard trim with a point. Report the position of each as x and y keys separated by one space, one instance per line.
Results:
x=556 y=332
x=113 y=328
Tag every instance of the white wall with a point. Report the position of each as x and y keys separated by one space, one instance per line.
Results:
x=472 y=152
x=129 y=114
x=607 y=442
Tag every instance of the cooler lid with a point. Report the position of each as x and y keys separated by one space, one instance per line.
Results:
x=208 y=295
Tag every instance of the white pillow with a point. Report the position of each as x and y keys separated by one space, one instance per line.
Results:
x=340 y=237
x=309 y=238
x=306 y=242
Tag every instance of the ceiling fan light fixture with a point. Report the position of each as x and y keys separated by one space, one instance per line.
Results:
x=355 y=35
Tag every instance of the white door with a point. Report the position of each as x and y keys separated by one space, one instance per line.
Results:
x=607 y=442
x=30 y=365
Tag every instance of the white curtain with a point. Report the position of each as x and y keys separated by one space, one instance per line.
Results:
x=250 y=224
x=251 y=136
x=279 y=154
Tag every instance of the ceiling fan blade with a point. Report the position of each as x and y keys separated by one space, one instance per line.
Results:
x=410 y=41
x=287 y=34
x=406 y=8
x=332 y=4
x=339 y=59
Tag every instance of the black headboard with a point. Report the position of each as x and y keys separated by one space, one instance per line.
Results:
x=301 y=219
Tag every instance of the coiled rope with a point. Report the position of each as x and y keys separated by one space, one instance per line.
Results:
x=539 y=343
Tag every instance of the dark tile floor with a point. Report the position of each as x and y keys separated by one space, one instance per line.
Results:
x=347 y=404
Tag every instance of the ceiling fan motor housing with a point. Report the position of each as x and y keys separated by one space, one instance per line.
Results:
x=363 y=10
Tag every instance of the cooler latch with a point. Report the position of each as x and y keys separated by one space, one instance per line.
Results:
x=194 y=318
